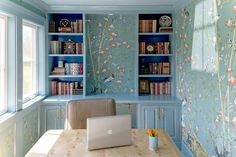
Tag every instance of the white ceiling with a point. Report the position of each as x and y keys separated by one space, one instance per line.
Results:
x=112 y=2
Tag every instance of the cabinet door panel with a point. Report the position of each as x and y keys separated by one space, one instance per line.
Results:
x=151 y=118
x=63 y=117
x=52 y=117
x=169 y=120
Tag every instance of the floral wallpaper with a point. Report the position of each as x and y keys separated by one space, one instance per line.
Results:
x=110 y=53
x=206 y=76
x=30 y=130
x=7 y=140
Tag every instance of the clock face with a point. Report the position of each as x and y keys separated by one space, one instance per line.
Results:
x=165 y=21
x=150 y=48
x=65 y=23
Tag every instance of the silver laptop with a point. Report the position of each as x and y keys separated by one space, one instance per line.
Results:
x=108 y=131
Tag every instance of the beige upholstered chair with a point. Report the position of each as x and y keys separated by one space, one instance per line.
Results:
x=79 y=110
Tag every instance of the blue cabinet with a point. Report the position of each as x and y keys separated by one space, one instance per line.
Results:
x=165 y=116
x=53 y=116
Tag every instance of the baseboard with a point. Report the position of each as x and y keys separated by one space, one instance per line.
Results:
x=185 y=151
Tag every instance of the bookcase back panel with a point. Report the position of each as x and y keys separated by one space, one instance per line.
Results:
x=110 y=53
x=153 y=39
x=67 y=37
x=58 y=17
x=71 y=79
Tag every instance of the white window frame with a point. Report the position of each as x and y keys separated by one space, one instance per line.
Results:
x=36 y=57
x=5 y=102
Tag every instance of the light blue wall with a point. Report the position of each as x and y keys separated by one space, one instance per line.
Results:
x=110 y=53
x=205 y=52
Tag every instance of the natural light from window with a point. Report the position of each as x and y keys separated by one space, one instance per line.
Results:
x=3 y=39
x=29 y=61
x=204 y=39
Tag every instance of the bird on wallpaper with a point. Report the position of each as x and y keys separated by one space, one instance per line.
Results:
x=109 y=79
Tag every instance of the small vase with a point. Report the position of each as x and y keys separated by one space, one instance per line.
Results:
x=153 y=143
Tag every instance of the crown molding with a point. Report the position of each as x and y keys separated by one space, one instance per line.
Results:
x=37 y=3
x=14 y=9
x=110 y=9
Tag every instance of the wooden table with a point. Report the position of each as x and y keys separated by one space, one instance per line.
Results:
x=72 y=143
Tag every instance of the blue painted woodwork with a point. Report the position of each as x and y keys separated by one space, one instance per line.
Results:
x=161 y=115
x=63 y=37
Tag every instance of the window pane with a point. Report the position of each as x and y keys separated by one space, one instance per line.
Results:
x=29 y=60
x=3 y=82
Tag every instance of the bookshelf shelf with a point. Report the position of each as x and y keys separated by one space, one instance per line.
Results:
x=155 y=55
x=153 y=76
x=66 y=55
x=61 y=34
x=65 y=76
x=156 y=34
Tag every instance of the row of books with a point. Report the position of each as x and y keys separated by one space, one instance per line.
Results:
x=69 y=69
x=158 y=68
x=160 y=88
x=75 y=27
x=66 y=88
x=158 y=48
x=56 y=47
x=147 y=26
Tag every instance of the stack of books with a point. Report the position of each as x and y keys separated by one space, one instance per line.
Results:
x=148 y=26
x=160 y=88
x=157 y=68
x=159 y=48
x=66 y=88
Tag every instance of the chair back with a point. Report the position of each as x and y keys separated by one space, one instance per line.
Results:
x=79 y=110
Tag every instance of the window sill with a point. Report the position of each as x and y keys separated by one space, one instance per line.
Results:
x=10 y=117
x=32 y=101
x=6 y=116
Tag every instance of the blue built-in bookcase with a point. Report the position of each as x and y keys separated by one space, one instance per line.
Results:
x=66 y=54
x=111 y=60
x=155 y=54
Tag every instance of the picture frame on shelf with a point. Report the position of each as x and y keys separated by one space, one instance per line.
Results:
x=144 y=86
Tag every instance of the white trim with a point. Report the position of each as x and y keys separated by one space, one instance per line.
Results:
x=5 y=63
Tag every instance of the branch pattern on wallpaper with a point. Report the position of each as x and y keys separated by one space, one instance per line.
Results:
x=206 y=76
x=110 y=54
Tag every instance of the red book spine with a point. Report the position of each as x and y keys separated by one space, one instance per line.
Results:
x=80 y=26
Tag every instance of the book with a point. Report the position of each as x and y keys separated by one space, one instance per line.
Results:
x=58 y=71
x=52 y=26
x=154 y=26
x=166 y=47
x=165 y=29
x=80 y=26
x=165 y=68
